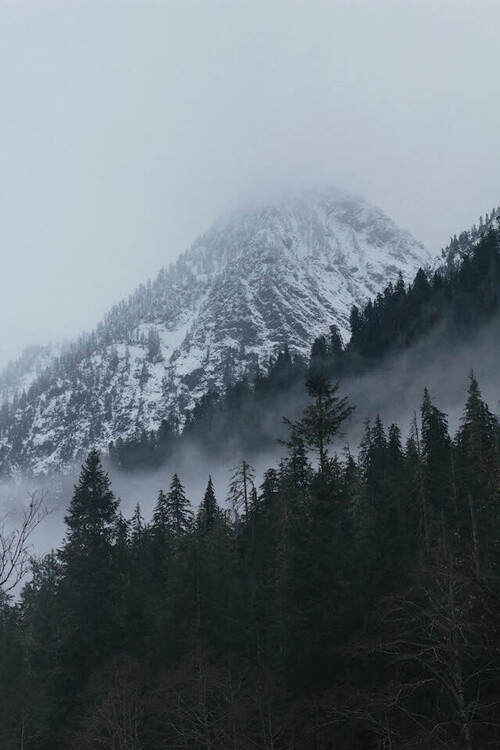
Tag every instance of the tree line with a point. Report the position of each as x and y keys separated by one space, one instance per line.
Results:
x=459 y=297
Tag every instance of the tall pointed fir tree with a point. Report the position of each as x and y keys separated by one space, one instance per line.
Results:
x=91 y=622
x=209 y=510
x=437 y=466
x=162 y=521
x=295 y=469
x=143 y=582
x=382 y=528
x=269 y=490
x=479 y=465
x=178 y=507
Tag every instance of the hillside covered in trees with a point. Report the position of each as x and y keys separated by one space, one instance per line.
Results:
x=344 y=603
x=452 y=304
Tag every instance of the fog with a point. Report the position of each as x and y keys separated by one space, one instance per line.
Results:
x=394 y=390
x=128 y=126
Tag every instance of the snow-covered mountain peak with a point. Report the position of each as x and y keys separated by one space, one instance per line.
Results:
x=265 y=277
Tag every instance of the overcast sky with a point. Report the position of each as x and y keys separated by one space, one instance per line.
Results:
x=126 y=127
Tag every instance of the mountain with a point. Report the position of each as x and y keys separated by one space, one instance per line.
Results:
x=459 y=247
x=20 y=374
x=259 y=280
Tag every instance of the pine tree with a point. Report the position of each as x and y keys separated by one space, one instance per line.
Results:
x=436 y=453
x=477 y=442
x=269 y=489
x=209 y=511
x=162 y=521
x=412 y=488
x=11 y=672
x=178 y=508
x=479 y=435
x=88 y=571
x=92 y=512
x=296 y=469
x=395 y=455
x=374 y=455
x=137 y=525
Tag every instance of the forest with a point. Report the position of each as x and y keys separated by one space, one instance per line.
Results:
x=249 y=375
x=347 y=602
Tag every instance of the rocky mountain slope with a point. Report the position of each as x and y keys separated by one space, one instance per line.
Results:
x=258 y=280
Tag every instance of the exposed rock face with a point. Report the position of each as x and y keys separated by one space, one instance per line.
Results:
x=257 y=280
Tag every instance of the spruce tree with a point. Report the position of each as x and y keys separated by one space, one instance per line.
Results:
x=209 y=510
x=296 y=469
x=137 y=526
x=162 y=521
x=479 y=435
x=178 y=507
x=436 y=453
x=375 y=458
x=383 y=535
x=395 y=455
x=269 y=489
x=88 y=571
x=92 y=512
x=477 y=443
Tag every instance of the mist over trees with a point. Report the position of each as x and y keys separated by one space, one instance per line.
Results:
x=351 y=600
x=343 y=603
x=452 y=303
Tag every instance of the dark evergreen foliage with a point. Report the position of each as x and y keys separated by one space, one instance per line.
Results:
x=209 y=511
x=353 y=603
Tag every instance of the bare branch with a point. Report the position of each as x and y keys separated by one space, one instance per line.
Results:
x=15 y=545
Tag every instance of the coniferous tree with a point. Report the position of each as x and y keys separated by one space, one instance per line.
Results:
x=12 y=705
x=240 y=486
x=374 y=455
x=412 y=488
x=137 y=526
x=329 y=588
x=269 y=489
x=396 y=481
x=178 y=507
x=209 y=510
x=384 y=534
x=296 y=469
x=88 y=571
x=436 y=454
x=477 y=441
x=323 y=419
x=162 y=520
x=147 y=569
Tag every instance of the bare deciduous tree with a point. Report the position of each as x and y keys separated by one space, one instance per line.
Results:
x=116 y=714
x=438 y=656
x=15 y=545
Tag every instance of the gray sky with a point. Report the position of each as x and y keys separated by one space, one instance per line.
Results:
x=127 y=126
